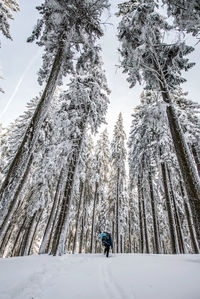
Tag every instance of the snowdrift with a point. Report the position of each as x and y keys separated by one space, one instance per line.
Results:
x=93 y=276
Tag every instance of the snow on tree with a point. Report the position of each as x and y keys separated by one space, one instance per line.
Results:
x=88 y=105
x=7 y=7
x=63 y=30
x=118 y=179
x=101 y=168
x=148 y=57
x=186 y=14
x=152 y=159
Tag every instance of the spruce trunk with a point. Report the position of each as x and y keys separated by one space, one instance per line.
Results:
x=27 y=236
x=117 y=216
x=185 y=161
x=93 y=219
x=154 y=215
x=40 y=212
x=20 y=165
x=140 y=217
x=46 y=237
x=196 y=157
x=78 y=216
x=145 y=223
x=192 y=231
x=177 y=217
x=174 y=245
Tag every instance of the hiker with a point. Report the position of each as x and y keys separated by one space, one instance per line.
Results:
x=107 y=242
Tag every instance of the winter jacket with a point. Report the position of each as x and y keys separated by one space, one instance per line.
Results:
x=106 y=242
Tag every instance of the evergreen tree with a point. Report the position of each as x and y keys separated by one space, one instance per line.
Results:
x=62 y=29
x=100 y=197
x=146 y=56
x=7 y=7
x=152 y=156
x=88 y=105
x=118 y=176
x=186 y=14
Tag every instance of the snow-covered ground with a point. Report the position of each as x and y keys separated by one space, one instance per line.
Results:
x=93 y=276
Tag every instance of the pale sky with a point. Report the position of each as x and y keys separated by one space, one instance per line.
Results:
x=20 y=62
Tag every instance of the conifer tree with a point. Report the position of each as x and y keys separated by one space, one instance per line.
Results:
x=61 y=30
x=7 y=7
x=118 y=179
x=88 y=104
x=151 y=156
x=100 y=197
x=186 y=14
x=146 y=56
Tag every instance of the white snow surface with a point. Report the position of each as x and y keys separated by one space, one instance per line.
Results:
x=93 y=276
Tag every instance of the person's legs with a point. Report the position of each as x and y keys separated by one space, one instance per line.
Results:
x=107 y=250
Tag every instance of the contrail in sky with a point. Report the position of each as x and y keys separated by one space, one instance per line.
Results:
x=20 y=81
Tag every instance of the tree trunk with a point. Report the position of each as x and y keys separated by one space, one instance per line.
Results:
x=192 y=231
x=69 y=241
x=187 y=171
x=86 y=192
x=46 y=237
x=145 y=223
x=17 y=237
x=140 y=217
x=20 y=165
x=174 y=245
x=117 y=216
x=35 y=230
x=154 y=215
x=6 y=240
x=60 y=235
x=113 y=235
x=196 y=157
x=129 y=232
x=177 y=218
x=185 y=161
x=78 y=216
x=93 y=219
x=27 y=237
x=14 y=203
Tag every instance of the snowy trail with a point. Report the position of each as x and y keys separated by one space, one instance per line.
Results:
x=123 y=276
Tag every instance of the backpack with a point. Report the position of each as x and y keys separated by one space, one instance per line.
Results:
x=106 y=239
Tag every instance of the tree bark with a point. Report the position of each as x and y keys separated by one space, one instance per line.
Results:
x=27 y=236
x=174 y=245
x=129 y=232
x=117 y=215
x=78 y=216
x=35 y=231
x=20 y=165
x=46 y=237
x=196 y=157
x=93 y=219
x=17 y=237
x=140 y=217
x=177 y=218
x=193 y=238
x=154 y=215
x=187 y=168
x=14 y=203
x=145 y=223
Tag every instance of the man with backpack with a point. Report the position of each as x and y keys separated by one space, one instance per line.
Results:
x=107 y=242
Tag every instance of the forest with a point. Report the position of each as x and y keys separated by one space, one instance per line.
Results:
x=62 y=183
